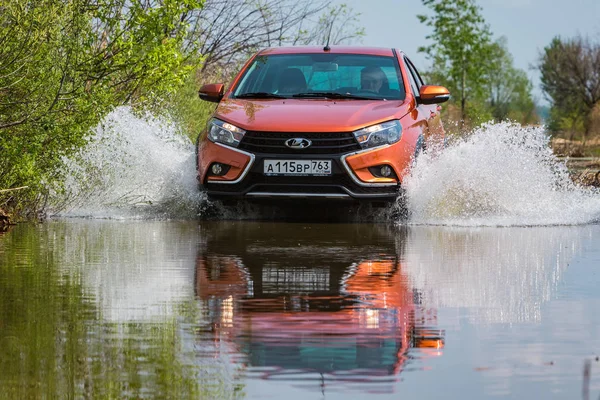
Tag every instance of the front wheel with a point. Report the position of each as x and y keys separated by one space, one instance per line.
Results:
x=400 y=207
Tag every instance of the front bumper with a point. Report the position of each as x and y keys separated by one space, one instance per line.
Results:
x=246 y=179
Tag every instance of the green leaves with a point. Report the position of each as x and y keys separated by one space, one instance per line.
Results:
x=477 y=71
x=460 y=45
x=64 y=64
x=509 y=88
x=570 y=75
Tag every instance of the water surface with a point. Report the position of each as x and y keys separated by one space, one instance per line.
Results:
x=188 y=309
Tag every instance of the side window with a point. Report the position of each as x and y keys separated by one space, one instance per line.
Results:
x=413 y=78
x=415 y=73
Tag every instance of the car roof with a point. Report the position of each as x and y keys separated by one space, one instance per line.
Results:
x=375 y=51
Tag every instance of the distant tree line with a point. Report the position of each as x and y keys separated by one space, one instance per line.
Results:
x=485 y=85
x=570 y=75
x=65 y=64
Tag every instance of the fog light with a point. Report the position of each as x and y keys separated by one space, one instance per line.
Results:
x=385 y=171
x=216 y=169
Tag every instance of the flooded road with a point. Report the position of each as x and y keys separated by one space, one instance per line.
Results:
x=258 y=310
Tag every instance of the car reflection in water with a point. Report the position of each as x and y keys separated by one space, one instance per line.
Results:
x=327 y=299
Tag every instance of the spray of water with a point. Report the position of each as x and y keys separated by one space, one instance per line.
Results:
x=132 y=167
x=502 y=174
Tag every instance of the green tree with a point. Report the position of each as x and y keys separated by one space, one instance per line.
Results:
x=460 y=48
x=509 y=88
x=570 y=75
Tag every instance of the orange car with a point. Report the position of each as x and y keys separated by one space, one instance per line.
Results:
x=320 y=123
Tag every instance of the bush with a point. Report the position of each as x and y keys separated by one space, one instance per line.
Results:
x=64 y=64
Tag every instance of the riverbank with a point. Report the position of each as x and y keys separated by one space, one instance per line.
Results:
x=585 y=172
x=6 y=213
x=4 y=219
x=582 y=159
x=576 y=148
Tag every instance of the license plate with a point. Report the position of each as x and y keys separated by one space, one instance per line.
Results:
x=297 y=167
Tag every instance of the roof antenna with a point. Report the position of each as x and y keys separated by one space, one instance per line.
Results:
x=327 y=48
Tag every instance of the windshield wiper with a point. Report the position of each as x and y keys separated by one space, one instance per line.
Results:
x=334 y=95
x=259 y=95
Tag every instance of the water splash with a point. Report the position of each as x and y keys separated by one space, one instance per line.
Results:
x=133 y=167
x=501 y=175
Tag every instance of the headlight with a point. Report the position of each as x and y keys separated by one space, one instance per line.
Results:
x=223 y=132
x=380 y=134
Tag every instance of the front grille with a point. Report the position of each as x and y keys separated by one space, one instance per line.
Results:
x=322 y=142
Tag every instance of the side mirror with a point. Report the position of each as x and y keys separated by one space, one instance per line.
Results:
x=430 y=94
x=212 y=92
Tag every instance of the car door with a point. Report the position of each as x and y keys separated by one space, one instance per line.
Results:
x=431 y=112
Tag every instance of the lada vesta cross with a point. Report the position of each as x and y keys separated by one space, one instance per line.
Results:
x=332 y=124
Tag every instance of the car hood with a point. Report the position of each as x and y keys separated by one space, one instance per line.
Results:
x=309 y=115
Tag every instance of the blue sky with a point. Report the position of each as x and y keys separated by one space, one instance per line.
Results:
x=528 y=25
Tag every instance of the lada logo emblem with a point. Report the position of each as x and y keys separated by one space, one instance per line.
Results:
x=298 y=143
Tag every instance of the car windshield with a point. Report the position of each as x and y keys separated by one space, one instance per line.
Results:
x=339 y=76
